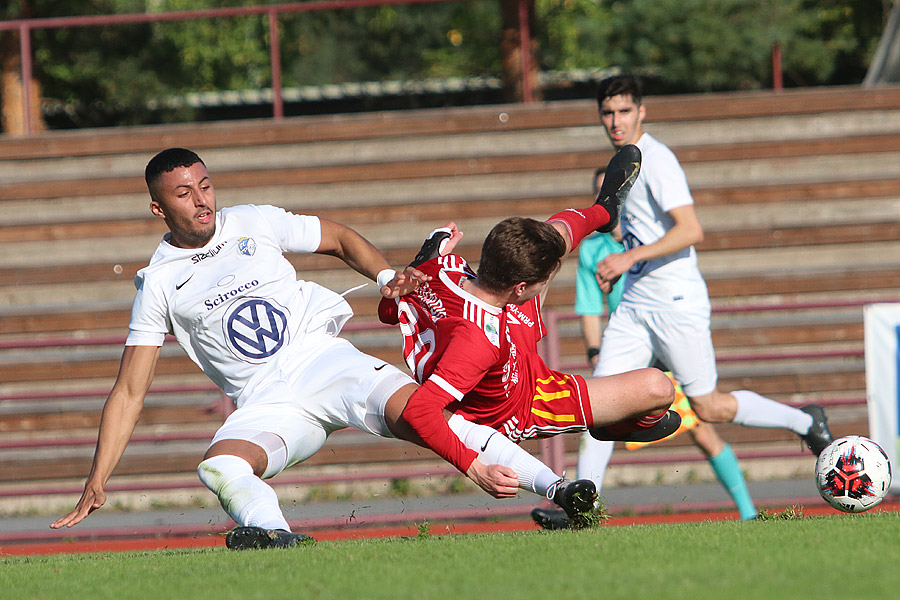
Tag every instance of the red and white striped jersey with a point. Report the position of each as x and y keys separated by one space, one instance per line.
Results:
x=467 y=354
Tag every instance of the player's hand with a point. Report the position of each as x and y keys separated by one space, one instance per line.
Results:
x=496 y=480
x=91 y=500
x=606 y=286
x=613 y=266
x=404 y=282
x=455 y=236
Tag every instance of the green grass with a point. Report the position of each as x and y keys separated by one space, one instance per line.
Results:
x=797 y=558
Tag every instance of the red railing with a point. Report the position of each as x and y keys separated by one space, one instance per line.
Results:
x=552 y=449
x=26 y=26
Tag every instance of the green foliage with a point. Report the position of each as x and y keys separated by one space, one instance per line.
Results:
x=215 y=54
x=399 y=487
x=705 y=45
x=573 y=34
x=123 y=74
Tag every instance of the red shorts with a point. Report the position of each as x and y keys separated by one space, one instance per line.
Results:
x=559 y=404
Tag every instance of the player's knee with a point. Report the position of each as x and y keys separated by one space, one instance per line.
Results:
x=659 y=389
x=707 y=409
x=218 y=471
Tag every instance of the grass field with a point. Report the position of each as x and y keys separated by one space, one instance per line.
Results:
x=811 y=557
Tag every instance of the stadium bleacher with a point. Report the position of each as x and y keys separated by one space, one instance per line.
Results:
x=798 y=191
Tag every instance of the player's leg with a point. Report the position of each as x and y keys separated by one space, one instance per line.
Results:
x=593 y=459
x=625 y=394
x=493 y=448
x=684 y=341
x=255 y=443
x=725 y=466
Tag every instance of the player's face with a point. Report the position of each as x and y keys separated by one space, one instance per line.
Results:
x=622 y=119
x=186 y=200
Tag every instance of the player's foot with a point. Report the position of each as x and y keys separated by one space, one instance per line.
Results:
x=551 y=518
x=818 y=436
x=575 y=497
x=621 y=172
x=245 y=538
x=666 y=426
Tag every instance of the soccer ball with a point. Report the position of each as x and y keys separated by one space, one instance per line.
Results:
x=853 y=474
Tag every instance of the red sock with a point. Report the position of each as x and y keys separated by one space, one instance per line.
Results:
x=581 y=222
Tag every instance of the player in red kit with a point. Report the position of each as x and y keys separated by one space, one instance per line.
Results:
x=470 y=340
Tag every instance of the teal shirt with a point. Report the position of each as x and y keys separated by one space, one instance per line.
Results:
x=588 y=297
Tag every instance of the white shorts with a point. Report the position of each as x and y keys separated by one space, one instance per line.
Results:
x=341 y=387
x=680 y=340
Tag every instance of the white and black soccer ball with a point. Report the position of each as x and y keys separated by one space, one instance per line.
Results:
x=853 y=474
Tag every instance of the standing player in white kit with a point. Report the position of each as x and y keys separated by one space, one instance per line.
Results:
x=665 y=309
x=220 y=283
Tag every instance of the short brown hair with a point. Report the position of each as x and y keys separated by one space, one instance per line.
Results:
x=519 y=249
x=620 y=85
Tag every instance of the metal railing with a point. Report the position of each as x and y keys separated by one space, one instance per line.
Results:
x=26 y=26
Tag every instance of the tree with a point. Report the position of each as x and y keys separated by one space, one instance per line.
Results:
x=705 y=45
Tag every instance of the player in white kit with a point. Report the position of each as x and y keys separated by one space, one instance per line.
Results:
x=220 y=283
x=665 y=310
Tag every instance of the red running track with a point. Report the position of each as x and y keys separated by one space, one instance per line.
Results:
x=333 y=533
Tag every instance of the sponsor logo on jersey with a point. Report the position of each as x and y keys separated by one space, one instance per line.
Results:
x=256 y=328
x=430 y=300
x=246 y=246
x=220 y=299
x=522 y=317
x=492 y=329
x=200 y=256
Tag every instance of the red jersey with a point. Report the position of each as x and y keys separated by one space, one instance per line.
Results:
x=481 y=361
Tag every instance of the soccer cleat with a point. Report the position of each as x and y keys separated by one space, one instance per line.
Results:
x=551 y=518
x=245 y=538
x=431 y=248
x=575 y=497
x=818 y=436
x=666 y=426
x=621 y=172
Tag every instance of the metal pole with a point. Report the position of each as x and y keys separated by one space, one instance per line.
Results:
x=777 y=83
x=525 y=43
x=275 y=57
x=25 y=51
x=553 y=451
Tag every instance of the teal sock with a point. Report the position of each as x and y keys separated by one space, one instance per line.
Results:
x=726 y=468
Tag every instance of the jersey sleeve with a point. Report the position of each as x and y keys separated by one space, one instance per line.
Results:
x=149 y=316
x=295 y=233
x=461 y=367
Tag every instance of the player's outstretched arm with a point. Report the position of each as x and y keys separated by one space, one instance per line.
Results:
x=360 y=255
x=120 y=414
x=497 y=480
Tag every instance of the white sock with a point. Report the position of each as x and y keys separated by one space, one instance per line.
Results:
x=754 y=410
x=494 y=448
x=244 y=496
x=593 y=458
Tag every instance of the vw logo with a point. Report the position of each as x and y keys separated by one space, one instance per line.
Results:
x=256 y=328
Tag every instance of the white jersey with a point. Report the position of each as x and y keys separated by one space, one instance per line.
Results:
x=235 y=305
x=671 y=282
